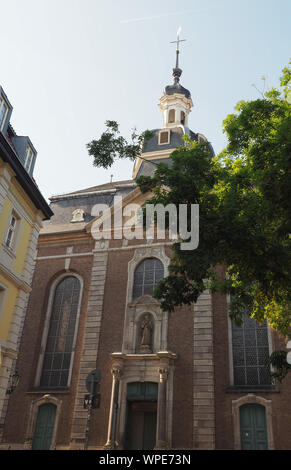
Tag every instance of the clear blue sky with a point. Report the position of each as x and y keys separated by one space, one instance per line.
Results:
x=69 y=65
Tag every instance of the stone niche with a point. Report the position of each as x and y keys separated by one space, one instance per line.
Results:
x=137 y=337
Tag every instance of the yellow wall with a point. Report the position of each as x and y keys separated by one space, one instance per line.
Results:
x=8 y=308
x=22 y=238
x=22 y=245
x=4 y=218
x=22 y=197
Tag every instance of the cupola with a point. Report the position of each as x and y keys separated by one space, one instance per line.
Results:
x=176 y=103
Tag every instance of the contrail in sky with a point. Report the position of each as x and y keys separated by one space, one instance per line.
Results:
x=144 y=18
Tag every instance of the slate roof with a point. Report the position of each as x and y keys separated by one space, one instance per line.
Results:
x=63 y=205
x=176 y=139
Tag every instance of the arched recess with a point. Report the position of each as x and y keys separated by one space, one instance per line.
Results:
x=251 y=399
x=46 y=327
x=138 y=307
x=33 y=414
x=172 y=116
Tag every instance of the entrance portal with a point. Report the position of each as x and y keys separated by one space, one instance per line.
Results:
x=253 y=427
x=44 y=427
x=141 y=415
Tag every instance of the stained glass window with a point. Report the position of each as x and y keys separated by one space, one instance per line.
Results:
x=147 y=275
x=250 y=348
x=57 y=358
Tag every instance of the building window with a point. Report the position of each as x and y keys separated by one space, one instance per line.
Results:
x=3 y=112
x=182 y=117
x=172 y=115
x=78 y=215
x=164 y=137
x=250 y=348
x=146 y=276
x=59 y=346
x=28 y=158
x=10 y=238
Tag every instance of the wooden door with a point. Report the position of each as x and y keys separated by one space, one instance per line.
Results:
x=141 y=423
x=44 y=427
x=253 y=427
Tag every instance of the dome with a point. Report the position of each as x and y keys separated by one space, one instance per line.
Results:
x=177 y=88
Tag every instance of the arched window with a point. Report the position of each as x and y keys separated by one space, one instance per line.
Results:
x=172 y=115
x=250 y=349
x=146 y=276
x=182 y=117
x=59 y=346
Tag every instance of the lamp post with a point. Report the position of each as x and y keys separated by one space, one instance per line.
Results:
x=92 y=383
x=13 y=379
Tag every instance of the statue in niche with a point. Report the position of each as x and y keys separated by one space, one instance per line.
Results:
x=146 y=329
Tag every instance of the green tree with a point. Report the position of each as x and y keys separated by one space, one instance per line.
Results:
x=244 y=196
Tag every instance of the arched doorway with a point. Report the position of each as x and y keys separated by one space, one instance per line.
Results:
x=141 y=422
x=253 y=427
x=44 y=427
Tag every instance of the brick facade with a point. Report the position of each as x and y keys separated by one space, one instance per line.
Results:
x=190 y=362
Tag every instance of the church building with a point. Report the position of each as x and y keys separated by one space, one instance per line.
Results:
x=189 y=379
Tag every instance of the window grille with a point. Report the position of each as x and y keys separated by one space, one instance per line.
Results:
x=250 y=347
x=147 y=275
x=57 y=358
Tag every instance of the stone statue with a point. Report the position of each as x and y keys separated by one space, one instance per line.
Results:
x=146 y=335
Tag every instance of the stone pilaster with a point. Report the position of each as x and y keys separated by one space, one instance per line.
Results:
x=161 y=439
x=203 y=376
x=116 y=373
x=90 y=345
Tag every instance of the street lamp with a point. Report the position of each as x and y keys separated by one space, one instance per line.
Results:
x=13 y=379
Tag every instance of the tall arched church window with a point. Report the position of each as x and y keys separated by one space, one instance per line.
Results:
x=172 y=115
x=59 y=346
x=146 y=276
x=250 y=350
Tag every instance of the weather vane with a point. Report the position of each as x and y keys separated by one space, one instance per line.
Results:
x=178 y=42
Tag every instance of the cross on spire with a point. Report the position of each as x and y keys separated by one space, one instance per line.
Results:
x=177 y=49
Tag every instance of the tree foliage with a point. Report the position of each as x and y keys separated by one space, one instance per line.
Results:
x=112 y=145
x=278 y=360
x=244 y=199
x=244 y=196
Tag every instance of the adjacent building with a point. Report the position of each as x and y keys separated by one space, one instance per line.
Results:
x=22 y=210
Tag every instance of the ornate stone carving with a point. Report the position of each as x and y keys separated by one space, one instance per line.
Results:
x=116 y=372
x=164 y=372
